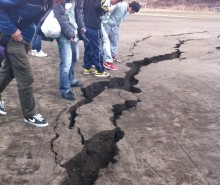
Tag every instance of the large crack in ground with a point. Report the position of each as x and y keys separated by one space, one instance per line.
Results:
x=96 y=154
x=101 y=149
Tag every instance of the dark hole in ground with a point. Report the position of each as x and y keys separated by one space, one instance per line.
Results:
x=96 y=154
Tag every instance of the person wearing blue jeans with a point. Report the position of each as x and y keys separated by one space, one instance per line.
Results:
x=36 y=47
x=69 y=16
x=69 y=54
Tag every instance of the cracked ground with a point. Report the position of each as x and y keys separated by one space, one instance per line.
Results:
x=155 y=121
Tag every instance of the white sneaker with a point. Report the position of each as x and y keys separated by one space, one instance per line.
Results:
x=41 y=54
x=33 y=52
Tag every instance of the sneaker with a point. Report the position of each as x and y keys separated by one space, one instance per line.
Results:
x=88 y=71
x=36 y=120
x=116 y=60
x=77 y=84
x=2 y=108
x=109 y=65
x=101 y=74
x=41 y=54
x=68 y=96
x=33 y=52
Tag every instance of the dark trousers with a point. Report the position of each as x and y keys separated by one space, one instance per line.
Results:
x=93 y=54
x=18 y=66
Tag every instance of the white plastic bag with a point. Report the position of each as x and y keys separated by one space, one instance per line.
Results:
x=51 y=27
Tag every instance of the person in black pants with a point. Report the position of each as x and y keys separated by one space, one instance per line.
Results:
x=93 y=44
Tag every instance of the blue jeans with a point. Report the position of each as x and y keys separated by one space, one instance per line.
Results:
x=93 y=49
x=69 y=54
x=36 y=43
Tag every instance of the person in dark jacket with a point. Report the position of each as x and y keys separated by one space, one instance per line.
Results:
x=70 y=16
x=12 y=14
x=93 y=44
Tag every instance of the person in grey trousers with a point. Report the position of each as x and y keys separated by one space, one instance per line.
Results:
x=17 y=64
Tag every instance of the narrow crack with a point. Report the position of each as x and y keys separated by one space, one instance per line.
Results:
x=82 y=136
x=135 y=44
x=174 y=35
x=181 y=42
x=57 y=157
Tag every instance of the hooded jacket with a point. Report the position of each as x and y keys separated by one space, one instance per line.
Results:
x=60 y=14
x=92 y=13
x=117 y=16
x=12 y=12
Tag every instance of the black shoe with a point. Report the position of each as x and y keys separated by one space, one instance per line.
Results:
x=68 y=96
x=36 y=120
x=77 y=84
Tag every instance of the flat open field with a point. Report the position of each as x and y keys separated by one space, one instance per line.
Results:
x=155 y=121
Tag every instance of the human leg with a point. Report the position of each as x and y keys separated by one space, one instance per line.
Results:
x=6 y=76
x=75 y=58
x=87 y=59
x=108 y=60
x=65 y=53
x=107 y=57
x=36 y=46
x=18 y=66
x=36 y=43
x=114 y=39
x=17 y=54
x=95 y=39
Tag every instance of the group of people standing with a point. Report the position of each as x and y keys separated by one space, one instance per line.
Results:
x=98 y=21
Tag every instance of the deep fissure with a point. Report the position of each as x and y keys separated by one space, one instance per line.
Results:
x=127 y=83
x=77 y=167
